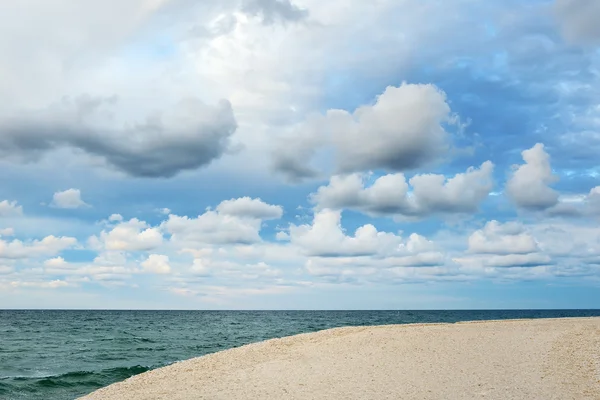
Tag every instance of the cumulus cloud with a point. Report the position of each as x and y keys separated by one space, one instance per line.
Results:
x=272 y=11
x=157 y=264
x=578 y=20
x=10 y=209
x=7 y=232
x=251 y=208
x=498 y=238
x=132 y=235
x=190 y=136
x=325 y=237
x=528 y=187
x=70 y=198
x=402 y=131
x=391 y=194
x=235 y=221
x=50 y=245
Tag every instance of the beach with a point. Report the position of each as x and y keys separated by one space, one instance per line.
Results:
x=511 y=359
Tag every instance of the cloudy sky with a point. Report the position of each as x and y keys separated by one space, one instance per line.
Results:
x=299 y=154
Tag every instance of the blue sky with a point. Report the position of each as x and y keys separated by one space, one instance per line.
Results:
x=300 y=155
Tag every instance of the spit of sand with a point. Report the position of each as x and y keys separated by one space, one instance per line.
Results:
x=514 y=359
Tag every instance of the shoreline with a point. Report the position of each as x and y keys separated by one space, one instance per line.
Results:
x=538 y=358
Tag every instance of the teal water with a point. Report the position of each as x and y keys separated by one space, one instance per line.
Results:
x=65 y=354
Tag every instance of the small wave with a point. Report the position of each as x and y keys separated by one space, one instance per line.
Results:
x=79 y=378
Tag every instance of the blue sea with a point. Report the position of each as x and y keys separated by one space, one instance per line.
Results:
x=65 y=354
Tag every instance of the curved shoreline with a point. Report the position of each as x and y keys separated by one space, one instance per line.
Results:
x=525 y=358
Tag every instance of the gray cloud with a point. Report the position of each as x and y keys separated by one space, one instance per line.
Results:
x=273 y=11
x=246 y=207
x=188 y=137
x=403 y=130
x=578 y=20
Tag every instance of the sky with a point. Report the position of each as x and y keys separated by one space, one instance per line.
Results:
x=299 y=154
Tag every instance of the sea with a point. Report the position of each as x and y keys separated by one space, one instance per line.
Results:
x=60 y=354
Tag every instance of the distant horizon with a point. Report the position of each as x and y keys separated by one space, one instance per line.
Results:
x=251 y=310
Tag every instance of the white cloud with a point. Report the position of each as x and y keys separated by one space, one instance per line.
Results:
x=497 y=238
x=402 y=131
x=200 y=267
x=132 y=235
x=56 y=262
x=251 y=208
x=326 y=238
x=55 y=284
x=528 y=187
x=49 y=245
x=234 y=221
x=7 y=232
x=115 y=218
x=70 y=198
x=157 y=264
x=392 y=195
x=490 y=262
x=10 y=209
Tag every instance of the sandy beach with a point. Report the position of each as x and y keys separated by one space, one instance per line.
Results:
x=517 y=359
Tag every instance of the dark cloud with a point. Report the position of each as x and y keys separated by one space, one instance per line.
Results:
x=403 y=130
x=273 y=11
x=188 y=137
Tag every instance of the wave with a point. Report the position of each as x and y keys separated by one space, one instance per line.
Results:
x=74 y=379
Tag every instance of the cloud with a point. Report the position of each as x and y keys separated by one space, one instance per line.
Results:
x=190 y=136
x=132 y=235
x=404 y=129
x=392 y=195
x=498 y=238
x=157 y=264
x=325 y=237
x=10 y=209
x=55 y=284
x=272 y=11
x=251 y=208
x=507 y=261
x=5 y=269
x=50 y=245
x=56 y=262
x=70 y=198
x=578 y=20
x=235 y=221
x=115 y=218
x=528 y=187
x=7 y=232
x=587 y=205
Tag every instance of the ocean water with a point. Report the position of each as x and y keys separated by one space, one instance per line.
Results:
x=66 y=354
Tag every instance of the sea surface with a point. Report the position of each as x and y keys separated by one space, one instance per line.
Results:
x=65 y=354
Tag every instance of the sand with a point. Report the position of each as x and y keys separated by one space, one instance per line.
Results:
x=518 y=359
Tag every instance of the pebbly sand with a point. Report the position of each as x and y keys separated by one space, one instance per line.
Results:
x=517 y=359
